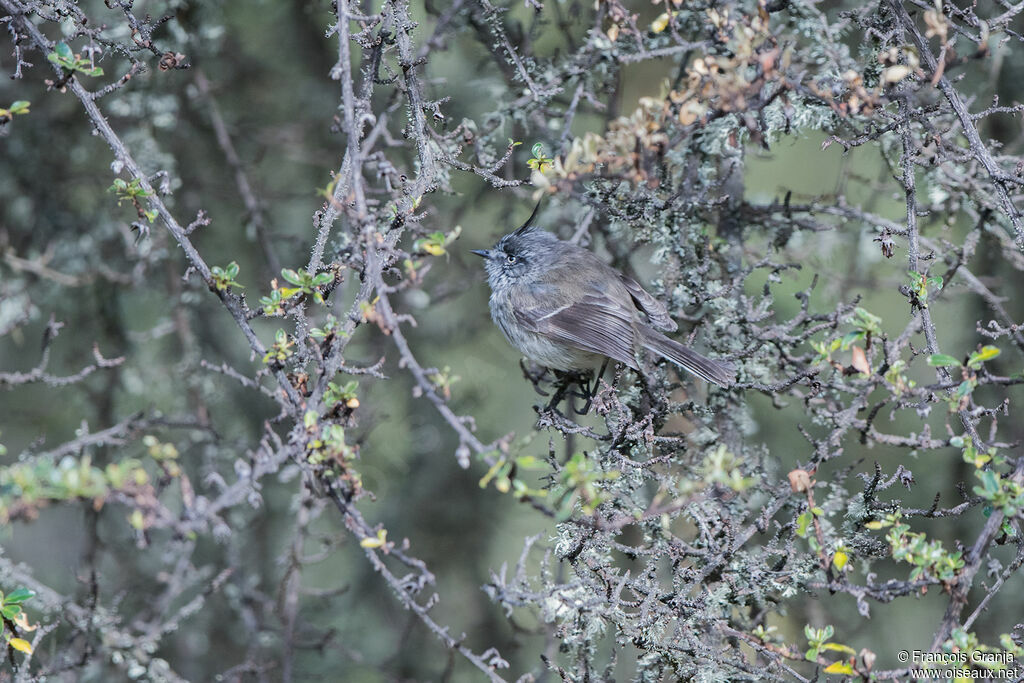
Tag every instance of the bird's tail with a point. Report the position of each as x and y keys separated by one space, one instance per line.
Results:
x=720 y=372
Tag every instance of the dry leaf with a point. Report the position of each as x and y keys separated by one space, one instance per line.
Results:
x=895 y=74
x=799 y=480
x=937 y=26
x=860 y=360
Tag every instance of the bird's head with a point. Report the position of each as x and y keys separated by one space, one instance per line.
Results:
x=520 y=256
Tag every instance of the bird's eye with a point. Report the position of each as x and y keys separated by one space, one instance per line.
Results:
x=510 y=258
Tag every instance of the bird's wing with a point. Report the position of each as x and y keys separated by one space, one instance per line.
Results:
x=656 y=312
x=595 y=323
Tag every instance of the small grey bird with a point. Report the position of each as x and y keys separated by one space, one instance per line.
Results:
x=567 y=310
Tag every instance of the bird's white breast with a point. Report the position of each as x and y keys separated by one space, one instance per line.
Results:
x=539 y=349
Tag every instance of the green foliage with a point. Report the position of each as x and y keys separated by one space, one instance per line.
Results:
x=274 y=303
x=941 y=360
x=436 y=242
x=327 y=330
x=19 y=107
x=132 y=191
x=961 y=393
x=581 y=482
x=128 y=190
x=921 y=284
x=958 y=399
x=898 y=382
x=304 y=283
x=720 y=467
x=342 y=395
x=866 y=327
x=327 y=192
x=444 y=379
x=817 y=641
x=986 y=353
x=1006 y=657
x=540 y=162
x=14 y=618
x=1002 y=492
x=804 y=521
x=330 y=445
x=504 y=474
x=281 y=350
x=867 y=324
x=224 y=278
x=929 y=558
x=63 y=57
x=11 y=604
x=27 y=486
x=165 y=454
x=825 y=349
x=327 y=449
x=974 y=361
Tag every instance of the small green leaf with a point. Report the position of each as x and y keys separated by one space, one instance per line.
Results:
x=941 y=360
x=803 y=522
x=966 y=387
x=137 y=520
x=19 y=595
x=851 y=337
x=63 y=51
x=990 y=480
x=491 y=473
x=867 y=319
x=528 y=462
x=979 y=357
x=10 y=611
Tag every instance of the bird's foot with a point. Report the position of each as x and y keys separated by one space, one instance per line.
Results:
x=536 y=375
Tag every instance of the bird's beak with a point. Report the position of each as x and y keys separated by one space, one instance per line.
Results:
x=480 y=252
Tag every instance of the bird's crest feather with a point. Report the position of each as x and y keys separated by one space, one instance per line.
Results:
x=529 y=225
